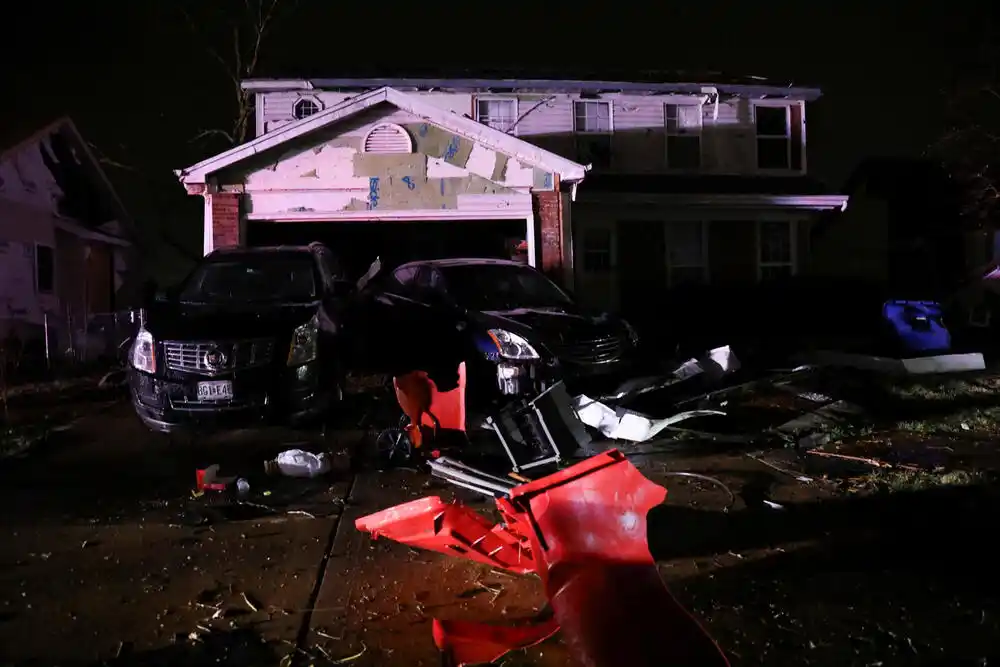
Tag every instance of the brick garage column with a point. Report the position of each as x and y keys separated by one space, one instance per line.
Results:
x=225 y=219
x=548 y=212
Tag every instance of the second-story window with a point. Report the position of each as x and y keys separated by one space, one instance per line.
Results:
x=774 y=140
x=683 y=128
x=305 y=108
x=497 y=113
x=592 y=125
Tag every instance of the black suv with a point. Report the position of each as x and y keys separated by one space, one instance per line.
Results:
x=248 y=336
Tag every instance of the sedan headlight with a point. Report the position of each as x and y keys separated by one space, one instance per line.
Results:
x=305 y=344
x=632 y=335
x=143 y=354
x=511 y=346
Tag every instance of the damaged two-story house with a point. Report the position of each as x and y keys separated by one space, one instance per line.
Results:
x=615 y=188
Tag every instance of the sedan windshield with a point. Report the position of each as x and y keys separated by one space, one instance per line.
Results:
x=502 y=287
x=253 y=280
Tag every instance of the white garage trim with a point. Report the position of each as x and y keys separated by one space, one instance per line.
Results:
x=390 y=216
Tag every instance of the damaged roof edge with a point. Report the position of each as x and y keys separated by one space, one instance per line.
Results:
x=519 y=149
x=807 y=93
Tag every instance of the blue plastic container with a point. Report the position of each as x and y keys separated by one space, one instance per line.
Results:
x=917 y=326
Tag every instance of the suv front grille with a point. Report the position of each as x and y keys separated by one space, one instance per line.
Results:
x=198 y=357
x=596 y=351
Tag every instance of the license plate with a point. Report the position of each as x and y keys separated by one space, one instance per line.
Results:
x=215 y=391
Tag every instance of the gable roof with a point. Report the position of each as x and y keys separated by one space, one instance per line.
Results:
x=460 y=125
x=65 y=127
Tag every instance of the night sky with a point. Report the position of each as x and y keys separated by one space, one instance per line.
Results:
x=140 y=84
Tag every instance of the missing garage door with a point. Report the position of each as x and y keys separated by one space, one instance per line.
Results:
x=358 y=243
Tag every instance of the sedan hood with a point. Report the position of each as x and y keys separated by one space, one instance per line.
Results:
x=183 y=321
x=552 y=326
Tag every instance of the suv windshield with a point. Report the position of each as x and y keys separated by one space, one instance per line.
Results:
x=263 y=278
x=502 y=287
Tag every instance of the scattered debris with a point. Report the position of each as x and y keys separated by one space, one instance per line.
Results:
x=249 y=603
x=298 y=463
x=861 y=459
x=622 y=424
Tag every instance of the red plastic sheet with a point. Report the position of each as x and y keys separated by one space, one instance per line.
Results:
x=583 y=530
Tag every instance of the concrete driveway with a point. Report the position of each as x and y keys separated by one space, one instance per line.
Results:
x=108 y=560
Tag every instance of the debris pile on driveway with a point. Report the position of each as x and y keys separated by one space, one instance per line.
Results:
x=582 y=528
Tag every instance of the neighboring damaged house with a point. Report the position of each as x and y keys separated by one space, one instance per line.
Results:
x=61 y=249
x=616 y=188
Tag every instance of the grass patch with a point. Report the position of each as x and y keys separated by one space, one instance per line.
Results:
x=974 y=420
x=943 y=390
x=896 y=481
x=842 y=431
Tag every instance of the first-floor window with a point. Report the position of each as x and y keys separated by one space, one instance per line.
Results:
x=596 y=250
x=686 y=256
x=775 y=249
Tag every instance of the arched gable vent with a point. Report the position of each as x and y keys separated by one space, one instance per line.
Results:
x=388 y=138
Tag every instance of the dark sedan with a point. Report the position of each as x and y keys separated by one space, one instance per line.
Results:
x=517 y=329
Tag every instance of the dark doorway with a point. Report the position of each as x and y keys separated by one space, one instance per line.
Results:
x=357 y=244
x=641 y=263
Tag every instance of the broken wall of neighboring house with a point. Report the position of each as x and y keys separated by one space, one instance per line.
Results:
x=423 y=167
x=22 y=228
x=53 y=204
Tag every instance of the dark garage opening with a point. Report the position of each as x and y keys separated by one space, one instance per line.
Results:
x=359 y=243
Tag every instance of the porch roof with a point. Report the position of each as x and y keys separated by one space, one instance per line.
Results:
x=462 y=126
x=713 y=190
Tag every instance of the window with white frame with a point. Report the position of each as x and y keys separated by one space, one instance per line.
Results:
x=686 y=252
x=683 y=129
x=592 y=126
x=304 y=108
x=775 y=249
x=498 y=113
x=774 y=137
x=597 y=252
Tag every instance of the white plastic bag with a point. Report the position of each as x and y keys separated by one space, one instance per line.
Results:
x=298 y=463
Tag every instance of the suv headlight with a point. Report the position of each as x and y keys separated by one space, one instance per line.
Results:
x=632 y=335
x=512 y=346
x=143 y=354
x=305 y=344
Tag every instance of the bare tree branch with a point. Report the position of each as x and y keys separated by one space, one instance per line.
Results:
x=248 y=34
x=971 y=142
x=103 y=159
x=213 y=132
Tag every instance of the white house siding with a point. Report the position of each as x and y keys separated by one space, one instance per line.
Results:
x=638 y=144
x=278 y=108
x=21 y=228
